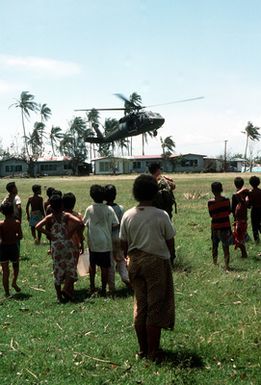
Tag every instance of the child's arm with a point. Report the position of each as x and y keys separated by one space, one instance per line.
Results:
x=42 y=207
x=170 y=245
x=77 y=224
x=27 y=209
x=19 y=231
x=43 y=227
x=124 y=246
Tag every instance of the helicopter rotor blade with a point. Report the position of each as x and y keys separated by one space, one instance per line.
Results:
x=177 y=101
x=101 y=109
x=127 y=101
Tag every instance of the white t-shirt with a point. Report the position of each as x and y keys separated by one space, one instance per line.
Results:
x=147 y=228
x=99 y=219
x=16 y=201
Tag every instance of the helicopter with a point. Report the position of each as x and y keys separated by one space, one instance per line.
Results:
x=138 y=121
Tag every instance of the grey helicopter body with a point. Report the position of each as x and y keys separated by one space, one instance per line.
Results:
x=133 y=123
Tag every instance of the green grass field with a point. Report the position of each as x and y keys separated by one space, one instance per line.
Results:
x=217 y=335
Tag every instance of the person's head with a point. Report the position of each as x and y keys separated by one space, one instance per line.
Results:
x=49 y=192
x=7 y=209
x=154 y=169
x=97 y=193
x=69 y=201
x=57 y=192
x=239 y=182
x=11 y=188
x=216 y=188
x=254 y=181
x=56 y=202
x=110 y=193
x=36 y=188
x=145 y=188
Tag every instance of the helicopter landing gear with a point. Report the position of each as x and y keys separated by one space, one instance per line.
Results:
x=155 y=133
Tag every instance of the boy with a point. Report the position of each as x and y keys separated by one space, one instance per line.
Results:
x=239 y=183
x=100 y=220
x=219 y=210
x=10 y=234
x=240 y=224
x=37 y=211
x=14 y=199
x=255 y=204
x=147 y=236
x=117 y=253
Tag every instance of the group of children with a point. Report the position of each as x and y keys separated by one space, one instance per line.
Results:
x=219 y=209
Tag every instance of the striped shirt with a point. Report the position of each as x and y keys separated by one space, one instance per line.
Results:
x=219 y=211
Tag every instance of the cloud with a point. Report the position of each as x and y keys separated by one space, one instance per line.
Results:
x=8 y=87
x=39 y=65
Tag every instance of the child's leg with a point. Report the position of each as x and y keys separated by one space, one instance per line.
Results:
x=33 y=232
x=243 y=250
x=39 y=236
x=5 y=278
x=255 y=225
x=226 y=257
x=92 y=272
x=215 y=242
x=111 y=275
x=15 y=276
x=123 y=271
x=104 y=278
x=58 y=292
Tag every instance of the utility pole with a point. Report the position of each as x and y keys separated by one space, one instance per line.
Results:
x=225 y=157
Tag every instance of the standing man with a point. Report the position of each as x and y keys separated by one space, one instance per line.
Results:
x=164 y=199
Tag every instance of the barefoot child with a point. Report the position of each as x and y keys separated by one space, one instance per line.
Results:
x=100 y=220
x=10 y=234
x=37 y=211
x=219 y=210
x=55 y=226
x=117 y=252
x=147 y=235
x=240 y=223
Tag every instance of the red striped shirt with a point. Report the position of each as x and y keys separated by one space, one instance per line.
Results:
x=219 y=210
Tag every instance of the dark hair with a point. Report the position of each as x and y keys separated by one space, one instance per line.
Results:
x=57 y=192
x=36 y=188
x=7 y=208
x=97 y=193
x=69 y=201
x=153 y=167
x=216 y=187
x=56 y=202
x=254 y=181
x=9 y=187
x=239 y=182
x=110 y=192
x=145 y=188
x=49 y=191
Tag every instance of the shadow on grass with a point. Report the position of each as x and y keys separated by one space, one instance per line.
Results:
x=24 y=258
x=123 y=292
x=184 y=359
x=236 y=270
x=21 y=296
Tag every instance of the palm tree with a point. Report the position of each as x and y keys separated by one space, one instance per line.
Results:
x=167 y=145
x=252 y=133
x=55 y=136
x=93 y=119
x=27 y=104
x=134 y=99
x=45 y=112
x=35 y=140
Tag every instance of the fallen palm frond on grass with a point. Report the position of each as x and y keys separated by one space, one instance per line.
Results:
x=195 y=195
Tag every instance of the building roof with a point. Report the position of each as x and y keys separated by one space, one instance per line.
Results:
x=53 y=158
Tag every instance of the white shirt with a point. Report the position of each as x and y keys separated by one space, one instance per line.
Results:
x=147 y=228
x=99 y=219
x=16 y=201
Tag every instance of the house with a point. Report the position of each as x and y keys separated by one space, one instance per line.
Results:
x=140 y=163
x=188 y=162
x=111 y=165
x=13 y=167
x=53 y=166
x=213 y=165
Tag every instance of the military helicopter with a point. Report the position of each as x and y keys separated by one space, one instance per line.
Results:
x=134 y=123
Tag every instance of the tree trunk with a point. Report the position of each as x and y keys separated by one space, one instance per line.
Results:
x=245 y=154
x=25 y=139
x=142 y=143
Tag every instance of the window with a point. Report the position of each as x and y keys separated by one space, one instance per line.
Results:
x=67 y=166
x=136 y=165
x=17 y=168
x=189 y=163
x=104 y=166
x=48 y=167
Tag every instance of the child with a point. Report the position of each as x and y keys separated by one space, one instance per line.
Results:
x=55 y=226
x=69 y=201
x=219 y=210
x=37 y=211
x=146 y=235
x=239 y=183
x=10 y=234
x=255 y=204
x=240 y=224
x=14 y=199
x=49 y=193
x=117 y=252
x=100 y=220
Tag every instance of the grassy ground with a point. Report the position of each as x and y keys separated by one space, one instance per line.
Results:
x=217 y=335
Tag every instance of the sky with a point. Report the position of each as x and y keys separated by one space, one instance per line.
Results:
x=77 y=53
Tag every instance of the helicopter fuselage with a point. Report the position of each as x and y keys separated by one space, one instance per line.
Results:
x=133 y=124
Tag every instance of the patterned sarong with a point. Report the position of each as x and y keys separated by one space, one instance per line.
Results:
x=239 y=232
x=151 y=279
